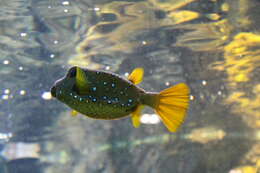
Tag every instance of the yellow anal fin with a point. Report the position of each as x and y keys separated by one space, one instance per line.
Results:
x=136 y=115
x=172 y=105
x=73 y=113
x=136 y=76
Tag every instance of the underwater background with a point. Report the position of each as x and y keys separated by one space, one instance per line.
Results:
x=212 y=45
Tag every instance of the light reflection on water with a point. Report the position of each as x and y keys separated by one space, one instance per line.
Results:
x=211 y=45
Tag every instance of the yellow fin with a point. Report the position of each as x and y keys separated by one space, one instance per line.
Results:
x=81 y=81
x=136 y=76
x=73 y=113
x=172 y=104
x=136 y=115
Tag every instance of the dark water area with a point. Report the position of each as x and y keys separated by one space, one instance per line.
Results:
x=213 y=46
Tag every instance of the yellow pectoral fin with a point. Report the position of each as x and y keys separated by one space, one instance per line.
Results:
x=82 y=83
x=136 y=76
x=73 y=113
x=136 y=115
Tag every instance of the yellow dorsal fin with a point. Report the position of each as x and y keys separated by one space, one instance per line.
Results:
x=82 y=83
x=136 y=76
x=136 y=115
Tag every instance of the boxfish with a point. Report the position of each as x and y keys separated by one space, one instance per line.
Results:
x=105 y=95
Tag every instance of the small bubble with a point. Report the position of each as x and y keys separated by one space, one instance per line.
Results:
x=104 y=83
x=46 y=95
x=52 y=55
x=126 y=74
x=22 y=92
x=94 y=99
x=130 y=100
x=5 y=97
x=49 y=6
x=96 y=9
x=20 y=68
x=144 y=42
x=65 y=3
x=113 y=85
x=23 y=34
x=55 y=41
x=167 y=83
x=204 y=82
x=66 y=10
x=107 y=68
x=192 y=97
x=5 y=136
x=94 y=88
x=219 y=92
x=109 y=101
x=6 y=62
x=104 y=97
x=7 y=91
x=150 y=119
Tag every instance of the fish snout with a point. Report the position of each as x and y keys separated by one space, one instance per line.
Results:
x=53 y=91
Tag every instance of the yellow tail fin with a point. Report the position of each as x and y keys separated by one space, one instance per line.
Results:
x=172 y=104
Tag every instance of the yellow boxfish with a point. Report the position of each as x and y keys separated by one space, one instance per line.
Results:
x=105 y=95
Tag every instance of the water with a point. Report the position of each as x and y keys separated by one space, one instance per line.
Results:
x=213 y=46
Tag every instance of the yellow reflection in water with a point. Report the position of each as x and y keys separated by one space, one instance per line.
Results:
x=170 y=5
x=205 y=36
x=126 y=21
x=242 y=55
x=242 y=58
x=206 y=134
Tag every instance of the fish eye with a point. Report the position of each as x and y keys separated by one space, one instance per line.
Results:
x=72 y=72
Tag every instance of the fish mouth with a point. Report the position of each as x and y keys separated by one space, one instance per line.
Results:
x=53 y=91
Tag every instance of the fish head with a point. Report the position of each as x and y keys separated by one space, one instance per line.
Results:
x=64 y=88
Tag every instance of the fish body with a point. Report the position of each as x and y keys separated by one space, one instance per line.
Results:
x=105 y=95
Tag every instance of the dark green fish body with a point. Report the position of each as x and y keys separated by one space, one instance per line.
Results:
x=104 y=95
x=107 y=96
